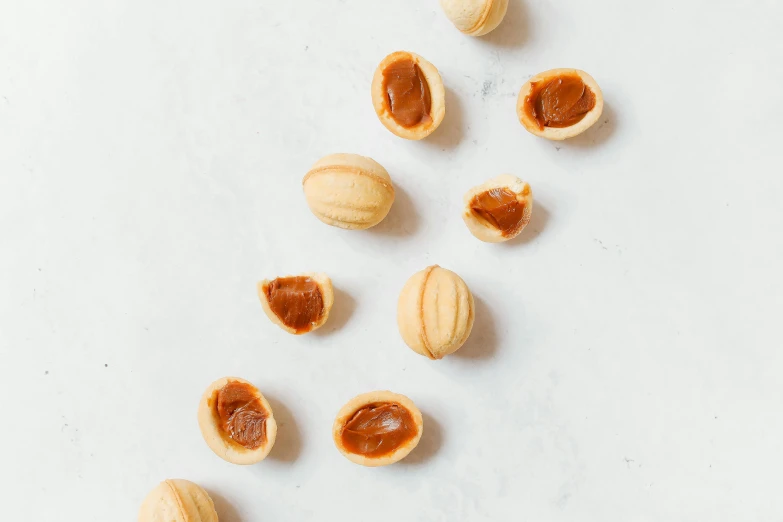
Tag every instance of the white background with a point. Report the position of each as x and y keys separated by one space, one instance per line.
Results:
x=626 y=359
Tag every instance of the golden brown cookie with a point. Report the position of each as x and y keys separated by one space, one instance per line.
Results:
x=408 y=95
x=435 y=312
x=177 y=500
x=236 y=421
x=475 y=17
x=348 y=191
x=560 y=103
x=377 y=428
x=499 y=209
x=297 y=304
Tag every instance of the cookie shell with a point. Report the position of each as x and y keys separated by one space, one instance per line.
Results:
x=485 y=231
x=437 y=97
x=560 y=133
x=177 y=500
x=222 y=446
x=435 y=312
x=360 y=401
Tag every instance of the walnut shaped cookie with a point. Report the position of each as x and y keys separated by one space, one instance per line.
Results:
x=348 y=191
x=435 y=312
x=475 y=17
x=177 y=500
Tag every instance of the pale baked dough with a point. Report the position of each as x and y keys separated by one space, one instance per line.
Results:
x=360 y=401
x=435 y=312
x=224 y=447
x=437 y=97
x=327 y=294
x=560 y=133
x=486 y=231
x=177 y=500
x=348 y=191
x=475 y=17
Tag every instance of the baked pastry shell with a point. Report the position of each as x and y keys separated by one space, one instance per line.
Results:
x=177 y=500
x=485 y=231
x=560 y=133
x=348 y=191
x=475 y=17
x=437 y=97
x=416 y=309
x=360 y=401
x=221 y=445
x=327 y=294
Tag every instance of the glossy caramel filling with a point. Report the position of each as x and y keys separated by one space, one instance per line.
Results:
x=241 y=415
x=501 y=208
x=407 y=93
x=377 y=430
x=296 y=301
x=559 y=102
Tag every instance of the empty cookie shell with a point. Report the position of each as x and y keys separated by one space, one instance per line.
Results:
x=177 y=500
x=475 y=17
x=435 y=312
x=348 y=191
x=297 y=304
x=236 y=421
x=377 y=428
x=499 y=209
x=560 y=103
x=408 y=95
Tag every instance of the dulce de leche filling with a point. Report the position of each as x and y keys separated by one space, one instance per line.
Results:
x=240 y=414
x=377 y=430
x=296 y=301
x=501 y=208
x=407 y=93
x=559 y=102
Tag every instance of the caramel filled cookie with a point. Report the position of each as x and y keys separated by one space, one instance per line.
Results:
x=236 y=421
x=560 y=103
x=297 y=304
x=408 y=95
x=499 y=209
x=377 y=428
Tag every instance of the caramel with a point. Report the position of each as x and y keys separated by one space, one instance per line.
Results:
x=501 y=208
x=560 y=102
x=377 y=430
x=296 y=301
x=241 y=415
x=407 y=93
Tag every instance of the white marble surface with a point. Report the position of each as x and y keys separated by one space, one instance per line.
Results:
x=626 y=359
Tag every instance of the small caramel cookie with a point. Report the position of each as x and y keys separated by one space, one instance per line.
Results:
x=499 y=209
x=475 y=17
x=560 y=103
x=435 y=312
x=236 y=421
x=297 y=304
x=377 y=428
x=348 y=191
x=408 y=95
x=178 y=500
